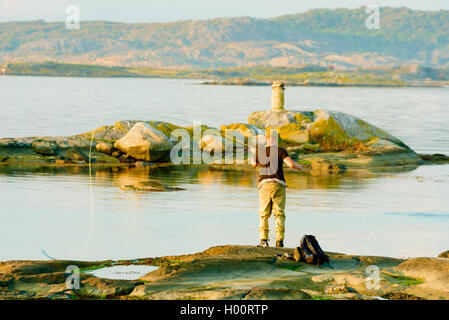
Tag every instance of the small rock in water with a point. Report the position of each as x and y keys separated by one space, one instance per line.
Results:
x=150 y=186
x=435 y=158
x=142 y=164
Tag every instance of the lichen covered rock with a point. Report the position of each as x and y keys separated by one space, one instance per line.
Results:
x=293 y=133
x=341 y=128
x=334 y=132
x=337 y=137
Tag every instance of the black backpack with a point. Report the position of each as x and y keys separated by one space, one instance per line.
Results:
x=309 y=251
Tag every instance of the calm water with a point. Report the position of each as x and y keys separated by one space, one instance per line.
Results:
x=71 y=215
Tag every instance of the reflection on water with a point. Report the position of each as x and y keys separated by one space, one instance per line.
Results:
x=177 y=175
x=51 y=209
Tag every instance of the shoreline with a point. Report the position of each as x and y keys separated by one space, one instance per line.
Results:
x=245 y=83
x=261 y=75
x=234 y=272
x=250 y=83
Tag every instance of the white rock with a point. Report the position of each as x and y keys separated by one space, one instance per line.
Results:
x=143 y=142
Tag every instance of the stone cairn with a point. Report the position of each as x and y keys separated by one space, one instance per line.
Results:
x=277 y=95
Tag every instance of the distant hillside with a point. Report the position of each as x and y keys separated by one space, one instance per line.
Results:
x=318 y=37
x=256 y=75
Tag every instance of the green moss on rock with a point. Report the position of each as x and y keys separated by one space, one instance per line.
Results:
x=293 y=133
x=332 y=137
x=302 y=119
x=164 y=127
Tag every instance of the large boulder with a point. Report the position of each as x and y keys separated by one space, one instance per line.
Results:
x=340 y=138
x=122 y=127
x=144 y=142
x=333 y=130
x=344 y=126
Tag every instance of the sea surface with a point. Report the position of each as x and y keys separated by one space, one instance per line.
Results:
x=69 y=213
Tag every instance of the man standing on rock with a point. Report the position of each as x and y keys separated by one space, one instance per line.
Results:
x=272 y=196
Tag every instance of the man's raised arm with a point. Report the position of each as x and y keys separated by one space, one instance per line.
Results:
x=292 y=164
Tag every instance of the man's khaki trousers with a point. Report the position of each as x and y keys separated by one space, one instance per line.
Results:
x=272 y=201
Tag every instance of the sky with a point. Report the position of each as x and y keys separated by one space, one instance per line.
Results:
x=173 y=10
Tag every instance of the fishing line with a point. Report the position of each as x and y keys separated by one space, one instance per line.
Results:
x=92 y=210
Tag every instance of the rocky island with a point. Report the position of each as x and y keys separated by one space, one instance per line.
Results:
x=326 y=141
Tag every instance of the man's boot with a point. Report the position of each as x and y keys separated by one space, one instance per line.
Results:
x=263 y=243
x=279 y=244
